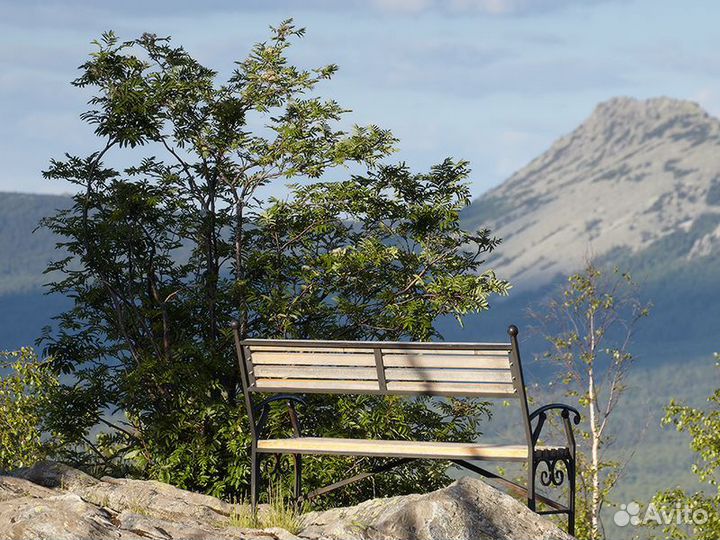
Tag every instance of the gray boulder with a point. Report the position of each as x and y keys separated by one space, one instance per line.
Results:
x=468 y=509
x=52 y=501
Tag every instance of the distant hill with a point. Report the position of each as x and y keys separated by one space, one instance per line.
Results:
x=24 y=254
x=636 y=175
x=25 y=250
x=637 y=184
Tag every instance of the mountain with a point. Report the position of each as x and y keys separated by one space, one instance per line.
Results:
x=26 y=248
x=637 y=184
x=634 y=173
x=25 y=251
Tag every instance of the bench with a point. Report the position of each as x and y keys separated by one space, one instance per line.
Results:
x=286 y=368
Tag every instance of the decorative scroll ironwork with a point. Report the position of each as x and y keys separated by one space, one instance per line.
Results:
x=276 y=466
x=553 y=475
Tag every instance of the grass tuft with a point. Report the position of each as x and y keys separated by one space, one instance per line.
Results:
x=280 y=512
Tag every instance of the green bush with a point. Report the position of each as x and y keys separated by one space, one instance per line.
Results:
x=703 y=426
x=26 y=387
x=164 y=252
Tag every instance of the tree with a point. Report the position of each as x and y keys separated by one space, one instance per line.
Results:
x=590 y=326
x=702 y=507
x=164 y=253
x=26 y=388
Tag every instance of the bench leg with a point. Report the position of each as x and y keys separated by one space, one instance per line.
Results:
x=298 y=477
x=254 y=479
x=571 y=497
x=531 y=484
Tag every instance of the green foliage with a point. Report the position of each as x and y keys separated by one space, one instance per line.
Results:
x=703 y=425
x=387 y=418
x=166 y=252
x=26 y=388
x=589 y=327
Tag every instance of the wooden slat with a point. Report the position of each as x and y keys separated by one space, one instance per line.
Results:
x=443 y=361
x=309 y=349
x=456 y=375
x=405 y=345
x=313 y=359
x=317 y=386
x=309 y=386
x=314 y=372
x=447 y=388
x=385 y=448
x=449 y=352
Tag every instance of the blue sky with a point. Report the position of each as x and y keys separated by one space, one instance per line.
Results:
x=491 y=81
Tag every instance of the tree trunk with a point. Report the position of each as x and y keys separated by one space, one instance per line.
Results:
x=595 y=457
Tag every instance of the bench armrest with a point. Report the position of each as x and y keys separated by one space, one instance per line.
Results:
x=263 y=408
x=541 y=415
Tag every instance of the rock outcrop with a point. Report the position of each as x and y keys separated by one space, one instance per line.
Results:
x=52 y=501
x=55 y=502
x=467 y=509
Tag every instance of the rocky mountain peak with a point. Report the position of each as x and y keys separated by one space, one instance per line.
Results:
x=628 y=109
x=634 y=172
x=624 y=120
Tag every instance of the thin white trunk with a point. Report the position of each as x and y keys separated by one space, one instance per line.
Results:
x=595 y=457
x=595 y=433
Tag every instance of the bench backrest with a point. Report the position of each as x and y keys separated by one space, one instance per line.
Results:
x=482 y=370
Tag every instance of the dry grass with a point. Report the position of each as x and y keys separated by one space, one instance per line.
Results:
x=281 y=512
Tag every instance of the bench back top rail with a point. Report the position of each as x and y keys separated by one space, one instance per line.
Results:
x=484 y=370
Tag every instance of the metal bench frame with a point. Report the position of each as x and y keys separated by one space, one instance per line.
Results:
x=537 y=455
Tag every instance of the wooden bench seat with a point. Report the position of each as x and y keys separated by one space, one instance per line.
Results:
x=284 y=370
x=414 y=449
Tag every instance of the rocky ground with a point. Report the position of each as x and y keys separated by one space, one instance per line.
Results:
x=52 y=501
